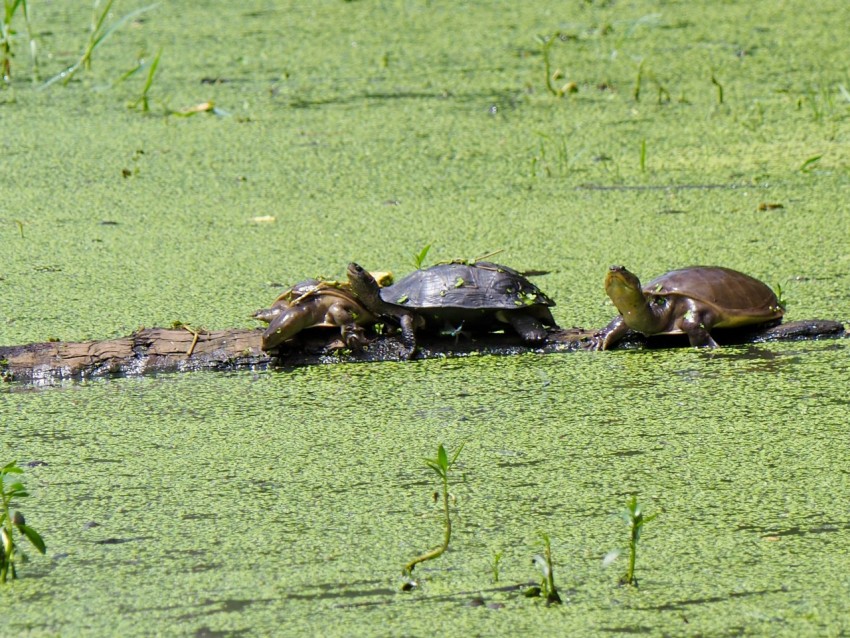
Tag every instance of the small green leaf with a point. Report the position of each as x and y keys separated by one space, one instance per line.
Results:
x=457 y=453
x=442 y=457
x=33 y=538
x=419 y=258
x=15 y=487
x=809 y=164
x=434 y=466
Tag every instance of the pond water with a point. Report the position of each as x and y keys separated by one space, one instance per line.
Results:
x=286 y=502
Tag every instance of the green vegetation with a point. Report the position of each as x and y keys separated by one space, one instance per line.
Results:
x=494 y=565
x=719 y=86
x=634 y=518
x=13 y=524
x=10 y=8
x=552 y=157
x=313 y=456
x=546 y=48
x=441 y=466
x=780 y=296
x=143 y=98
x=419 y=258
x=810 y=164
x=543 y=562
x=98 y=34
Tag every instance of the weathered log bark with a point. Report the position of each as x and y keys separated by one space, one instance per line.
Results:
x=156 y=350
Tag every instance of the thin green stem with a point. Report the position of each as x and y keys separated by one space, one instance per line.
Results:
x=437 y=551
x=630 y=573
x=547 y=46
x=7 y=548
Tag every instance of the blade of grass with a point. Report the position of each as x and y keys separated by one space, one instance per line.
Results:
x=143 y=99
x=96 y=38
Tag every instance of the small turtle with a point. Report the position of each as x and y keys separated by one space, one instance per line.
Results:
x=689 y=301
x=474 y=296
x=314 y=304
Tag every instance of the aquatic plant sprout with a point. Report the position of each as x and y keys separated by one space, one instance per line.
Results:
x=13 y=524
x=143 y=98
x=441 y=465
x=634 y=518
x=543 y=562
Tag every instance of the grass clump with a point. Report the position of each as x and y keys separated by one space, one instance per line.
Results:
x=13 y=525
x=98 y=34
x=441 y=466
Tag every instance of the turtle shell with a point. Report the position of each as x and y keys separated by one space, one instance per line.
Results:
x=478 y=286
x=734 y=297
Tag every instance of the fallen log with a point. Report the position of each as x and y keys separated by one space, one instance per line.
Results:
x=158 y=350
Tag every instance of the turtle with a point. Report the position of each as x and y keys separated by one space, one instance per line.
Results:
x=476 y=296
x=690 y=301
x=314 y=304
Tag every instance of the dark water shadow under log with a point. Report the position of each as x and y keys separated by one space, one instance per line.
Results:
x=161 y=350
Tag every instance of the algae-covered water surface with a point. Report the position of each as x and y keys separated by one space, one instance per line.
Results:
x=654 y=134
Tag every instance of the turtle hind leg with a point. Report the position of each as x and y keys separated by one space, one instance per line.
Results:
x=528 y=328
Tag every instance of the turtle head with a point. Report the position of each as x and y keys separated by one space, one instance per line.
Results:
x=625 y=291
x=620 y=282
x=364 y=286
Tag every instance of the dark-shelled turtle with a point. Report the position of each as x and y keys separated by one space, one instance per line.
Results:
x=690 y=301
x=447 y=297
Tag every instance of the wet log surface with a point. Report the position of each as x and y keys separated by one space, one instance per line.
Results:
x=161 y=350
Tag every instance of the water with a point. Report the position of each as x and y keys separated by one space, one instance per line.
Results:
x=286 y=502
x=236 y=501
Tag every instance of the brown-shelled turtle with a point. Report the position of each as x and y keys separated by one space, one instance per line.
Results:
x=449 y=297
x=315 y=304
x=690 y=301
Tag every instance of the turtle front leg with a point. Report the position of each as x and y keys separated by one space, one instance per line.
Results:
x=696 y=325
x=354 y=336
x=609 y=335
x=409 y=324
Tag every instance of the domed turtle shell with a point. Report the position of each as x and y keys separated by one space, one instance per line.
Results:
x=478 y=286
x=736 y=298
